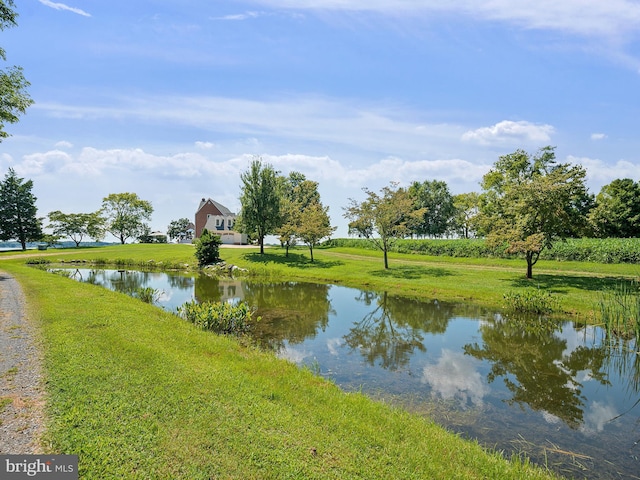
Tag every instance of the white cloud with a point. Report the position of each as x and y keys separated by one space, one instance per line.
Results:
x=510 y=132
x=205 y=145
x=64 y=144
x=583 y=17
x=598 y=136
x=239 y=16
x=62 y=6
x=331 y=124
x=600 y=173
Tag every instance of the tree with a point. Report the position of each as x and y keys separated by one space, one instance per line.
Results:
x=383 y=218
x=77 y=225
x=466 y=213
x=530 y=202
x=617 y=210
x=435 y=198
x=208 y=248
x=18 y=210
x=260 y=213
x=14 y=98
x=298 y=194
x=178 y=228
x=126 y=214
x=315 y=225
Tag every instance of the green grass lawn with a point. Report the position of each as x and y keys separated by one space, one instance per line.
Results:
x=138 y=393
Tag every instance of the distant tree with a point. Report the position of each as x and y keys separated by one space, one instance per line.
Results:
x=383 y=218
x=617 y=210
x=439 y=211
x=208 y=248
x=76 y=226
x=178 y=228
x=466 y=214
x=125 y=215
x=530 y=202
x=260 y=213
x=18 y=210
x=14 y=99
x=315 y=225
x=298 y=194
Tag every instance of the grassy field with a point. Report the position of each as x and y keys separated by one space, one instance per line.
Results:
x=138 y=393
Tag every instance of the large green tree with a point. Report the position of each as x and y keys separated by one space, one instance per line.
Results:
x=617 y=210
x=435 y=198
x=126 y=215
x=260 y=200
x=528 y=202
x=77 y=226
x=14 y=98
x=383 y=218
x=18 y=210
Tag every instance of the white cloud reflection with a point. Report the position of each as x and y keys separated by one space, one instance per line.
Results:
x=455 y=376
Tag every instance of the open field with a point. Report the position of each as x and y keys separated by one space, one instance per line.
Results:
x=138 y=393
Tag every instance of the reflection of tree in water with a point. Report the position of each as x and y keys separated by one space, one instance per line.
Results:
x=207 y=289
x=180 y=282
x=128 y=282
x=290 y=311
x=394 y=329
x=530 y=357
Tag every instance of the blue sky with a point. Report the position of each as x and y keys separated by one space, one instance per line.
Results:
x=172 y=100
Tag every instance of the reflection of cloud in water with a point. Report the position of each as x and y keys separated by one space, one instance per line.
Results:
x=455 y=376
x=596 y=416
x=577 y=338
x=550 y=418
x=165 y=296
x=333 y=344
x=291 y=354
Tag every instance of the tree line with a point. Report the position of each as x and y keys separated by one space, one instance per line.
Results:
x=528 y=201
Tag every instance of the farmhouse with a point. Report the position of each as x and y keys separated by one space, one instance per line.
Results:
x=218 y=219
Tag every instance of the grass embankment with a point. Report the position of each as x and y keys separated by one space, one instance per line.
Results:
x=138 y=393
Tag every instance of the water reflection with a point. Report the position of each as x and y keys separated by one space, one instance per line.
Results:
x=384 y=335
x=536 y=368
x=517 y=384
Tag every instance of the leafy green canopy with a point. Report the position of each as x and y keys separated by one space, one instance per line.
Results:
x=383 y=218
x=126 y=214
x=18 y=210
x=14 y=99
x=261 y=201
x=531 y=201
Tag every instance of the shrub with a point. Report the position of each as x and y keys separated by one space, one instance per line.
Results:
x=208 y=248
x=147 y=294
x=219 y=317
x=531 y=301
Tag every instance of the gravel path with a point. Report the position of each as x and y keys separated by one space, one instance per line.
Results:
x=21 y=393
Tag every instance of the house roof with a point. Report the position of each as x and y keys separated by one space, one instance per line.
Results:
x=223 y=210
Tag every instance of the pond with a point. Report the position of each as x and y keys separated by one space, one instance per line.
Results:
x=558 y=392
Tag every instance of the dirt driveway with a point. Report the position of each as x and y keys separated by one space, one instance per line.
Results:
x=21 y=392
